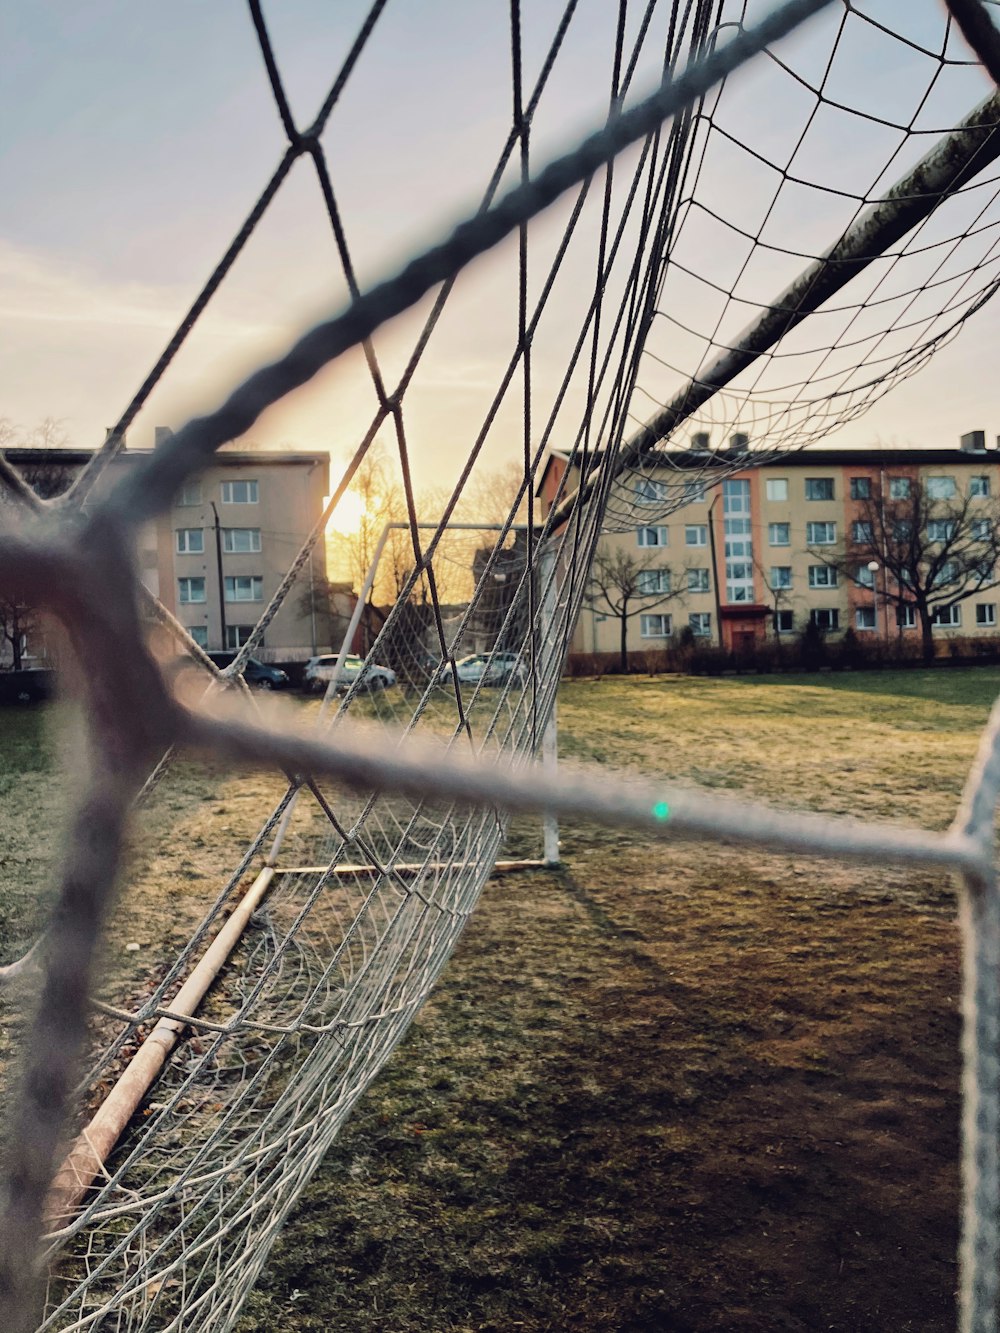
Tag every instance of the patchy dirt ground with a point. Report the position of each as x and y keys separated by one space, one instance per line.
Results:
x=675 y=1087
x=724 y=1103
x=671 y=1086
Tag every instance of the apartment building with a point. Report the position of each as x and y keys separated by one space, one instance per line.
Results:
x=738 y=554
x=217 y=556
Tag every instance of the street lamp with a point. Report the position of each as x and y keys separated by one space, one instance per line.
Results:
x=873 y=568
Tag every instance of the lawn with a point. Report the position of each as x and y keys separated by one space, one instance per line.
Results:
x=670 y=1086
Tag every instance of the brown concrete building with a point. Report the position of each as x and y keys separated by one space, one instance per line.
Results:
x=216 y=557
x=755 y=553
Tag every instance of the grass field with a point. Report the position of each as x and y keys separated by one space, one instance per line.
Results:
x=670 y=1086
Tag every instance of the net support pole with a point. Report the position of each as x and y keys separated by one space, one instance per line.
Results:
x=550 y=761
x=93 y=1146
x=550 y=736
x=957 y=158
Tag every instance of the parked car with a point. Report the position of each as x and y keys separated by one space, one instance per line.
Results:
x=481 y=668
x=319 y=672
x=27 y=686
x=258 y=675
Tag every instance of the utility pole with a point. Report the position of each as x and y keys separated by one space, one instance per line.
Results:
x=222 y=584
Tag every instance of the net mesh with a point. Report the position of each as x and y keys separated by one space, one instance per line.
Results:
x=367 y=867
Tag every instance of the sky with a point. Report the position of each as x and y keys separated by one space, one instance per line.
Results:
x=135 y=138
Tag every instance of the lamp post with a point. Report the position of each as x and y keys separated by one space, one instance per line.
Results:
x=222 y=582
x=873 y=568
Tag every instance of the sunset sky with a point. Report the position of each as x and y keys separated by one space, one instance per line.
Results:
x=135 y=138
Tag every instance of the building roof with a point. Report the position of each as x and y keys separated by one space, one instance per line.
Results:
x=223 y=457
x=689 y=459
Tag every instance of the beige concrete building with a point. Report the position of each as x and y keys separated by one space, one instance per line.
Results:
x=756 y=553
x=217 y=556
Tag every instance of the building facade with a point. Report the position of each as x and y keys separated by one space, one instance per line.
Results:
x=217 y=556
x=736 y=556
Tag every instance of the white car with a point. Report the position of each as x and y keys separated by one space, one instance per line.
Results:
x=320 y=671
x=481 y=668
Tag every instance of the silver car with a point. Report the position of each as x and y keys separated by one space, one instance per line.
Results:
x=481 y=668
x=320 y=671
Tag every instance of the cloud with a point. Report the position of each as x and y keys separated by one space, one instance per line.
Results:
x=43 y=288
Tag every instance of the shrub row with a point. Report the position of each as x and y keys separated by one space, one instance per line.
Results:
x=808 y=652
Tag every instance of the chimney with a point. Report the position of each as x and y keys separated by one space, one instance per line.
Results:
x=161 y=434
x=738 y=443
x=974 y=441
x=701 y=441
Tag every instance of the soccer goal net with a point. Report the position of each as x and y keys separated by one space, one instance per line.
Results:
x=761 y=236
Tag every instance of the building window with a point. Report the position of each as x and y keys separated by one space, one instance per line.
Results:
x=700 y=623
x=190 y=590
x=864 y=577
x=940 y=529
x=864 y=618
x=779 y=534
x=777 y=488
x=648 y=492
x=948 y=573
x=819 y=488
x=781 y=576
x=739 y=541
x=947 y=616
x=906 y=616
x=985 y=571
x=200 y=634
x=694 y=492
x=654 y=627
x=940 y=488
x=190 y=493
x=899 y=488
x=651 y=581
x=861 y=488
x=239 y=493
x=241 y=540
x=861 y=533
x=822 y=576
x=651 y=536
x=979 y=486
x=237 y=636
x=825 y=617
x=986 y=613
x=821 y=534
x=784 y=622
x=190 y=541
x=244 y=588
x=902 y=530
x=981 y=529
x=696 y=534
x=697 y=580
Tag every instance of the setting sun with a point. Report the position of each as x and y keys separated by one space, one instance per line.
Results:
x=348 y=514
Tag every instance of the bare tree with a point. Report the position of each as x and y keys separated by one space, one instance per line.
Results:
x=627 y=586
x=490 y=495
x=934 y=545
x=780 y=595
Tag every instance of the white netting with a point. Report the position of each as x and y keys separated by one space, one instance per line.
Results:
x=360 y=889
